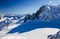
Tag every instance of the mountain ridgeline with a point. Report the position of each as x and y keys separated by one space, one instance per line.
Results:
x=45 y=13
x=47 y=17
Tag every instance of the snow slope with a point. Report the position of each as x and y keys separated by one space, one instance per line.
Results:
x=35 y=29
x=4 y=31
x=40 y=33
x=32 y=25
x=49 y=13
x=13 y=37
x=29 y=30
x=34 y=34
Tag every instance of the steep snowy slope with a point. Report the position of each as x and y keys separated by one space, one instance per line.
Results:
x=49 y=13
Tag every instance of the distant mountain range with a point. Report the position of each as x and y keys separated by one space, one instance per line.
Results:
x=45 y=13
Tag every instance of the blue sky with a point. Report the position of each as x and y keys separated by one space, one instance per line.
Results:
x=24 y=6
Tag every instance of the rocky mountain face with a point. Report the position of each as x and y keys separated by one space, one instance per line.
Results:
x=46 y=13
x=55 y=36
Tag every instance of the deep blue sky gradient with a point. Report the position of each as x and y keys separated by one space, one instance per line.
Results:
x=23 y=6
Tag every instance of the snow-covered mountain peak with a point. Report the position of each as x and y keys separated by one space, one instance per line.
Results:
x=49 y=12
x=26 y=25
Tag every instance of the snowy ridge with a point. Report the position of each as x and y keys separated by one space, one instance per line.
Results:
x=50 y=13
x=39 y=25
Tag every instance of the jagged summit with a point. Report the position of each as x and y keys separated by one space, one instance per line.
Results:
x=45 y=13
x=48 y=12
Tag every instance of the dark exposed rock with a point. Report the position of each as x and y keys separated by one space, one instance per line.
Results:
x=55 y=36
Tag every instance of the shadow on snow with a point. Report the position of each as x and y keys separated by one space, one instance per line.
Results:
x=28 y=26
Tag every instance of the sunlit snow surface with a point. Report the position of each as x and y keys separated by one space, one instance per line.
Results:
x=34 y=34
x=39 y=33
